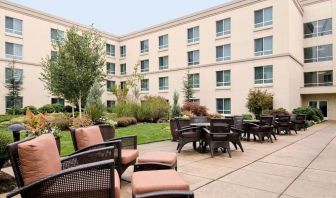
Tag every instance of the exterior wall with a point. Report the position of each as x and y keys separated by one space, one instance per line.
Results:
x=331 y=98
x=287 y=58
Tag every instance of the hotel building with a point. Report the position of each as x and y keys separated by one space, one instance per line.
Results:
x=284 y=46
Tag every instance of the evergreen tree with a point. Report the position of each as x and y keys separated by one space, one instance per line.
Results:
x=94 y=106
x=188 y=88
x=176 y=109
x=14 y=86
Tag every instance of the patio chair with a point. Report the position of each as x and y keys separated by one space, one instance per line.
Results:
x=88 y=138
x=199 y=119
x=187 y=135
x=237 y=131
x=218 y=135
x=263 y=129
x=39 y=171
x=299 y=122
x=283 y=123
x=173 y=127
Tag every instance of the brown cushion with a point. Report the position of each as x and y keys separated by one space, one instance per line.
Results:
x=116 y=184
x=128 y=155
x=39 y=158
x=88 y=136
x=159 y=157
x=159 y=180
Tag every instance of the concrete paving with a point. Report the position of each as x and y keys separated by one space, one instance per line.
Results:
x=294 y=166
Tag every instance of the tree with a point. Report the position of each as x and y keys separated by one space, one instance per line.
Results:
x=14 y=86
x=188 y=88
x=258 y=100
x=176 y=109
x=79 y=63
x=94 y=106
x=132 y=83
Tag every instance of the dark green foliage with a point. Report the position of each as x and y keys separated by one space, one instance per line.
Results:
x=67 y=108
x=311 y=112
x=94 y=106
x=4 y=140
x=14 y=86
x=188 y=88
x=248 y=116
x=153 y=108
x=33 y=109
x=16 y=111
x=48 y=108
x=126 y=109
x=58 y=108
x=258 y=101
x=176 y=109
x=125 y=121
x=275 y=112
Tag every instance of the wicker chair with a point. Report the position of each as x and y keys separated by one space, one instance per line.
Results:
x=199 y=119
x=129 y=142
x=78 y=178
x=283 y=123
x=173 y=127
x=218 y=135
x=299 y=122
x=187 y=135
x=263 y=129
x=237 y=130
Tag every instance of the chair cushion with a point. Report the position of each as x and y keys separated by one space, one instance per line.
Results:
x=129 y=155
x=88 y=136
x=116 y=184
x=39 y=158
x=159 y=180
x=158 y=157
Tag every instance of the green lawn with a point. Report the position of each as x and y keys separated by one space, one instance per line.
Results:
x=146 y=133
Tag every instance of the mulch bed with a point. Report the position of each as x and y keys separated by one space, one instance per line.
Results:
x=7 y=183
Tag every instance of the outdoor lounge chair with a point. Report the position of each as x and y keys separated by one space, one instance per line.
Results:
x=39 y=171
x=88 y=138
x=187 y=135
x=299 y=122
x=237 y=131
x=218 y=135
x=283 y=123
x=173 y=127
x=263 y=129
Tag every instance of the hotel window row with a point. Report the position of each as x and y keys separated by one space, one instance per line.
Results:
x=318 y=28
x=318 y=53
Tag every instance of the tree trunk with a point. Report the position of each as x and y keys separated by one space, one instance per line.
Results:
x=73 y=111
x=80 y=104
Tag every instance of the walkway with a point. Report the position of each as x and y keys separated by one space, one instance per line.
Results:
x=294 y=166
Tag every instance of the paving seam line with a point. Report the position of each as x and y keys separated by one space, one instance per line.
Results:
x=262 y=157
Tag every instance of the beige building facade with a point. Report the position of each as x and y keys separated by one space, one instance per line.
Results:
x=284 y=46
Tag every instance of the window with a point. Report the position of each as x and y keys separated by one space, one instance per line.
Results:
x=122 y=84
x=11 y=102
x=17 y=74
x=53 y=56
x=57 y=101
x=145 y=85
x=320 y=78
x=144 y=64
x=223 y=105
x=13 y=25
x=195 y=80
x=223 y=78
x=318 y=53
x=56 y=35
x=193 y=57
x=110 y=103
x=163 y=83
x=223 y=53
x=110 y=50
x=163 y=62
x=318 y=28
x=193 y=35
x=263 y=46
x=123 y=51
x=123 y=69
x=263 y=17
x=110 y=68
x=263 y=75
x=144 y=46
x=163 y=42
x=223 y=27
x=13 y=51
x=109 y=85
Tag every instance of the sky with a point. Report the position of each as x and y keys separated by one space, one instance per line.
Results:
x=120 y=17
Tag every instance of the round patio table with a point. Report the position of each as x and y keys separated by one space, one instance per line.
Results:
x=202 y=134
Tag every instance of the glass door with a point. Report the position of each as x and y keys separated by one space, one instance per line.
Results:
x=323 y=105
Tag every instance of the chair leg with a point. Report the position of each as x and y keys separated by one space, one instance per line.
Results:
x=274 y=136
x=229 y=150
x=178 y=145
x=194 y=145
x=211 y=150
x=235 y=145
x=270 y=137
x=240 y=146
x=260 y=138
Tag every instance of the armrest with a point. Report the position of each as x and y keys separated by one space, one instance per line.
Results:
x=187 y=129
x=236 y=130
x=168 y=193
x=129 y=142
x=212 y=134
x=97 y=146
x=90 y=156
x=70 y=181
x=253 y=124
x=151 y=166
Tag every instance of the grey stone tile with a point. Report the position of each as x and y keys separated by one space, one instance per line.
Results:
x=311 y=189
x=205 y=170
x=274 y=169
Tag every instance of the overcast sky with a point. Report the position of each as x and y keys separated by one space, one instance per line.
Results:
x=123 y=16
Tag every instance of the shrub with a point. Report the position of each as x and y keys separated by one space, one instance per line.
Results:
x=33 y=109
x=126 y=109
x=176 y=109
x=17 y=111
x=248 y=116
x=84 y=121
x=280 y=111
x=125 y=121
x=94 y=106
x=258 y=101
x=48 y=108
x=153 y=108
x=311 y=112
x=60 y=120
x=57 y=108
x=195 y=108
x=4 y=140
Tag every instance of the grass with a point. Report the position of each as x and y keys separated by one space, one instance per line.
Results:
x=146 y=133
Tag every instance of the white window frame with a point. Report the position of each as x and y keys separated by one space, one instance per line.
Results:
x=15 y=21
x=224 y=111
x=165 y=87
x=318 y=33
x=223 y=83
x=224 y=56
x=263 y=23
x=193 y=39
x=263 y=52
x=165 y=45
x=162 y=67
x=123 y=51
x=193 y=77
x=146 y=46
x=318 y=58
x=15 y=51
x=263 y=80
x=108 y=71
x=142 y=65
x=223 y=32
x=318 y=84
x=112 y=84
x=112 y=50
x=147 y=85
x=123 y=65
x=194 y=62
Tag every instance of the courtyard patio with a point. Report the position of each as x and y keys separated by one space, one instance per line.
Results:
x=300 y=165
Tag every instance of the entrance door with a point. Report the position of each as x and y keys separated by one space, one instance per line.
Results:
x=323 y=105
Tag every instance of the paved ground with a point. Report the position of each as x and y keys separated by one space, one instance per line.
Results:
x=294 y=166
